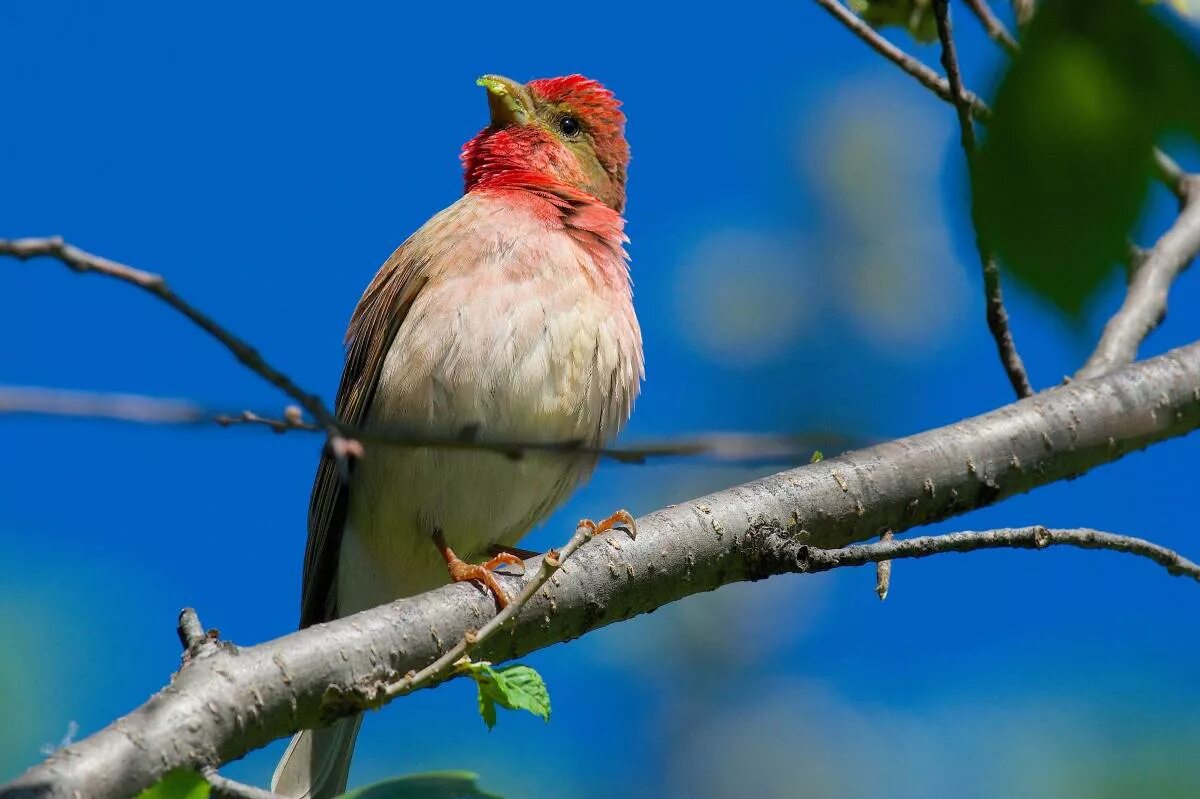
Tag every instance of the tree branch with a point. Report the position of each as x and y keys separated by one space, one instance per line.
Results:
x=85 y=262
x=227 y=701
x=1035 y=537
x=992 y=24
x=1145 y=304
x=997 y=315
x=1164 y=166
x=913 y=66
x=225 y=788
x=139 y=409
x=1145 y=301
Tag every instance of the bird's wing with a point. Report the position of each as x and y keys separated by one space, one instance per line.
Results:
x=378 y=316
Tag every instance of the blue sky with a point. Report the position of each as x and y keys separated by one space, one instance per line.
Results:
x=802 y=261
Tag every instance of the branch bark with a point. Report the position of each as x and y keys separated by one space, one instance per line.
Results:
x=227 y=701
x=1145 y=304
x=992 y=24
x=997 y=314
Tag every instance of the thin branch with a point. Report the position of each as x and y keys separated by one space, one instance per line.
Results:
x=137 y=408
x=997 y=314
x=992 y=24
x=1036 y=537
x=913 y=66
x=441 y=668
x=225 y=788
x=222 y=705
x=744 y=448
x=84 y=262
x=1145 y=301
x=343 y=438
x=1145 y=304
x=1166 y=168
x=997 y=319
x=1023 y=11
x=1171 y=175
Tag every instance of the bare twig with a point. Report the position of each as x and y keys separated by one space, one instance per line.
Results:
x=191 y=632
x=1145 y=300
x=343 y=439
x=997 y=319
x=883 y=570
x=1145 y=303
x=997 y=315
x=724 y=447
x=1171 y=174
x=94 y=405
x=80 y=261
x=1023 y=11
x=225 y=788
x=1036 y=537
x=992 y=24
x=83 y=262
x=1166 y=168
x=551 y=562
x=926 y=76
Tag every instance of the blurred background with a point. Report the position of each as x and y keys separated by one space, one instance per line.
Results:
x=802 y=260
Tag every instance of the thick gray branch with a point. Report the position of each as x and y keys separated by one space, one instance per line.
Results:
x=1145 y=303
x=227 y=701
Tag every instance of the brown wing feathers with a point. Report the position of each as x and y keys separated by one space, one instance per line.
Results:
x=376 y=319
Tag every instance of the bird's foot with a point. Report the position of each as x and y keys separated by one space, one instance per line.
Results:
x=461 y=571
x=621 y=518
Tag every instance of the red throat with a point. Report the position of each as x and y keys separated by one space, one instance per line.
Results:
x=530 y=157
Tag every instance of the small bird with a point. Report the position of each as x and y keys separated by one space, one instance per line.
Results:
x=509 y=315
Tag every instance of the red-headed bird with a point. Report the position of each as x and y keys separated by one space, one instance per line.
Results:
x=509 y=314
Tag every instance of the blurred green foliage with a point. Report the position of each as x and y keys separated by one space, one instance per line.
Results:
x=178 y=784
x=1066 y=165
x=434 y=785
x=915 y=16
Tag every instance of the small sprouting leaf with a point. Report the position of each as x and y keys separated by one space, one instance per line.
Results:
x=178 y=784
x=915 y=16
x=817 y=456
x=515 y=687
x=432 y=785
x=1066 y=164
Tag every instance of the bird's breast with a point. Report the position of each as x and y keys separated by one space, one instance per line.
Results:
x=512 y=338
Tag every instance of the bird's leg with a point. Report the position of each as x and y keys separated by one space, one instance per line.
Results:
x=461 y=571
x=621 y=518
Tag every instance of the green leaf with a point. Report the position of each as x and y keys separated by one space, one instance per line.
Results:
x=915 y=16
x=817 y=456
x=178 y=784
x=1066 y=164
x=515 y=687
x=433 y=785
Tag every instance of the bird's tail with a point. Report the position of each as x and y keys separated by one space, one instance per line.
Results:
x=317 y=762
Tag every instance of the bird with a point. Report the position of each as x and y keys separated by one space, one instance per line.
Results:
x=507 y=316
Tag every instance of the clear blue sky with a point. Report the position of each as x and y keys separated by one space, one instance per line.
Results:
x=802 y=261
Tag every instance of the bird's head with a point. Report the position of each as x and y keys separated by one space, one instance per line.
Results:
x=551 y=132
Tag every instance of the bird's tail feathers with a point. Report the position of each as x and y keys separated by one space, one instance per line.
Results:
x=316 y=764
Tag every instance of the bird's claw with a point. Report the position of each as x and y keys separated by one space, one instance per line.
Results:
x=621 y=518
x=483 y=573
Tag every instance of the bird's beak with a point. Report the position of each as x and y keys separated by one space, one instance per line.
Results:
x=508 y=101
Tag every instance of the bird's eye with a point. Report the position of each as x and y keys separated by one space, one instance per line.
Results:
x=569 y=126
